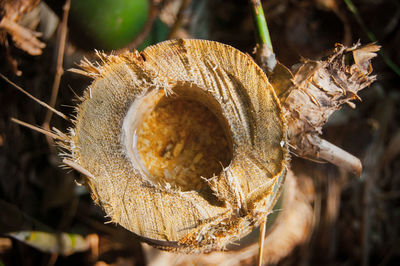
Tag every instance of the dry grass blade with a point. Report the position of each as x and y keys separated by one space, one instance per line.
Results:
x=34 y=98
x=38 y=129
x=78 y=168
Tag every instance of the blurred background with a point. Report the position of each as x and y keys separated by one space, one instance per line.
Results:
x=326 y=217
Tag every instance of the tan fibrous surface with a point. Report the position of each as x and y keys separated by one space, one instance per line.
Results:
x=182 y=143
x=292 y=227
x=127 y=93
x=14 y=9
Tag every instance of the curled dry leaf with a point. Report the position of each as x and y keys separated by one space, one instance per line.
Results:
x=24 y=38
x=182 y=144
x=315 y=91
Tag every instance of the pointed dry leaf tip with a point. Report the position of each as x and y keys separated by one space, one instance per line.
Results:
x=183 y=142
x=318 y=89
x=363 y=55
x=23 y=38
x=55 y=135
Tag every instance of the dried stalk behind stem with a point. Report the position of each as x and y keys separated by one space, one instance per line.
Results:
x=11 y=12
x=62 y=37
x=153 y=13
x=315 y=91
x=384 y=114
x=179 y=19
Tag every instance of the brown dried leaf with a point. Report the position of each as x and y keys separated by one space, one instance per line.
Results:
x=171 y=211
x=23 y=38
x=14 y=9
x=281 y=79
x=363 y=55
x=318 y=89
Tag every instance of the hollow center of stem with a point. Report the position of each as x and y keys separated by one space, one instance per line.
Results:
x=180 y=142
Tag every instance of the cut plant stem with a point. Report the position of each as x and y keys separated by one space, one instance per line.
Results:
x=265 y=56
x=181 y=158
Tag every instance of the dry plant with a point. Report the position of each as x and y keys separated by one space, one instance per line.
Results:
x=23 y=36
x=198 y=149
x=187 y=143
x=196 y=187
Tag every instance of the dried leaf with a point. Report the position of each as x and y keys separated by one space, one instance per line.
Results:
x=318 y=89
x=363 y=55
x=23 y=38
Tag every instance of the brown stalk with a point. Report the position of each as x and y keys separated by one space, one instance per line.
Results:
x=315 y=91
x=384 y=113
x=178 y=22
x=153 y=13
x=62 y=37
x=337 y=156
